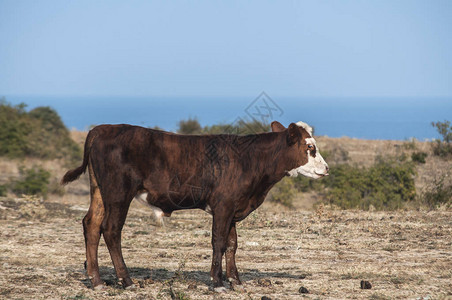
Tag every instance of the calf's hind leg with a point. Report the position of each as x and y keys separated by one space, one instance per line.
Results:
x=116 y=209
x=91 y=230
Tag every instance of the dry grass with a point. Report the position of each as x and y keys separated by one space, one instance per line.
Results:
x=403 y=254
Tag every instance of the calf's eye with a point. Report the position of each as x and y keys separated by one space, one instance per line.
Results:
x=310 y=147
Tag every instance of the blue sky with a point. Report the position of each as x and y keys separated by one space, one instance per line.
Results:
x=226 y=48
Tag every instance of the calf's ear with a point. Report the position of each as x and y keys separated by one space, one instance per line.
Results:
x=277 y=127
x=293 y=134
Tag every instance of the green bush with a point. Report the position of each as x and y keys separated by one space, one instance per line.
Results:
x=39 y=133
x=387 y=185
x=283 y=192
x=242 y=127
x=304 y=184
x=51 y=137
x=410 y=144
x=3 y=190
x=443 y=147
x=419 y=157
x=347 y=185
x=32 y=181
x=14 y=130
x=439 y=193
x=444 y=129
x=55 y=187
x=190 y=126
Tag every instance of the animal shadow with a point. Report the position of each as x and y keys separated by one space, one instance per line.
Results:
x=108 y=275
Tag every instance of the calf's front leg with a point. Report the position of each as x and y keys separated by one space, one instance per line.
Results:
x=220 y=231
x=231 y=269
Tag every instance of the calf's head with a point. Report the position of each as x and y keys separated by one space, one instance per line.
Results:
x=303 y=155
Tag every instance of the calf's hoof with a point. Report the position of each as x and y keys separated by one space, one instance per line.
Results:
x=220 y=289
x=97 y=283
x=131 y=287
x=127 y=283
x=236 y=284
x=238 y=287
x=100 y=287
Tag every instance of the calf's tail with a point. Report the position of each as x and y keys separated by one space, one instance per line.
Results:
x=74 y=174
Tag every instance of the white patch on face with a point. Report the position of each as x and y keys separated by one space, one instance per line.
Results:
x=316 y=167
x=311 y=141
x=305 y=126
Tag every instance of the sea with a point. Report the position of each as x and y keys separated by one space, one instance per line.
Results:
x=363 y=118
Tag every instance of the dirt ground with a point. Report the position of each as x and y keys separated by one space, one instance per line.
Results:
x=404 y=255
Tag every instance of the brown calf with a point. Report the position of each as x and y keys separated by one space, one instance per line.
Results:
x=226 y=175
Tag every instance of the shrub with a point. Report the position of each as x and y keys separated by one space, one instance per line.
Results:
x=241 y=127
x=33 y=181
x=346 y=186
x=50 y=138
x=283 y=192
x=419 y=157
x=443 y=147
x=305 y=184
x=190 y=126
x=444 y=129
x=39 y=133
x=410 y=145
x=3 y=190
x=387 y=185
x=14 y=129
x=55 y=187
x=252 y=127
x=439 y=193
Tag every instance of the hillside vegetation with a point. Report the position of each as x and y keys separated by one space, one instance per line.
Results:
x=192 y=126
x=385 y=180
x=37 y=133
